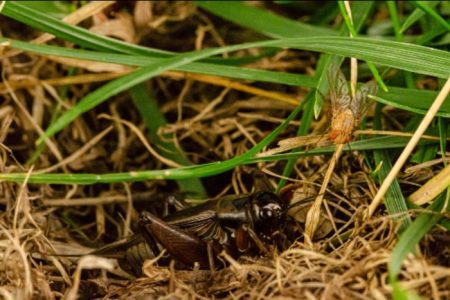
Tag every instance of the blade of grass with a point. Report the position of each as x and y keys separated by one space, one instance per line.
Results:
x=83 y=37
x=262 y=21
x=210 y=168
x=429 y=35
x=415 y=107
x=424 y=124
x=385 y=142
x=392 y=7
x=303 y=129
x=399 y=293
x=353 y=32
x=394 y=200
x=416 y=15
x=393 y=54
x=80 y=36
x=401 y=56
x=147 y=72
x=443 y=127
x=196 y=67
x=414 y=233
x=153 y=119
x=409 y=99
x=432 y=13
x=361 y=11
x=176 y=174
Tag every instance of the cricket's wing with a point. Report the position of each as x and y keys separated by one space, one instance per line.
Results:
x=184 y=246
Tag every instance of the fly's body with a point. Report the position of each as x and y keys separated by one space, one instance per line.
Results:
x=346 y=111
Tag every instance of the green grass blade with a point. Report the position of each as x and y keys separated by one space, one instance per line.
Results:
x=392 y=7
x=352 y=30
x=394 y=200
x=404 y=56
x=358 y=47
x=416 y=15
x=80 y=36
x=400 y=293
x=420 y=99
x=303 y=129
x=195 y=67
x=414 y=105
x=210 y=168
x=57 y=9
x=430 y=35
x=262 y=21
x=377 y=143
x=175 y=174
x=443 y=127
x=153 y=119
x=413 y=234
x=413 y=100
x=121 y=84
x=347 y=19
x=361 y=11
x=432 y=13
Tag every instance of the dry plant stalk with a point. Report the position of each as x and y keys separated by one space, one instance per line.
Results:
x=347 y=113
x=431 y=188
x=409 y=148
x=121 y=71
x=74 y=18
x=352 y=268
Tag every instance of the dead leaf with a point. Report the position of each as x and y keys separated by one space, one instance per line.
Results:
x=121 y=27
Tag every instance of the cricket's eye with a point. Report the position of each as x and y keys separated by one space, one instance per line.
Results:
x=266 y=214
x=270 y=211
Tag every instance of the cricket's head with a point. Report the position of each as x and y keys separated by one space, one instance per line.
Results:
x=269 y=214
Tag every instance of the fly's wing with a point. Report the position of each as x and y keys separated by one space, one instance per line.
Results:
x=361 y=102
x=339 y=93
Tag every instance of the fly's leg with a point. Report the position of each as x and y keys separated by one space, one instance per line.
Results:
x=184 y=247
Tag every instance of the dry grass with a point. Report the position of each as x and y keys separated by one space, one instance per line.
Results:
x=211 y=121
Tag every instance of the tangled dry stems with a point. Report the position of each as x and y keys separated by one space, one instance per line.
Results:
x=211 y=123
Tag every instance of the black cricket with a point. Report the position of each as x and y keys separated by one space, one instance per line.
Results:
x=238 y=224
